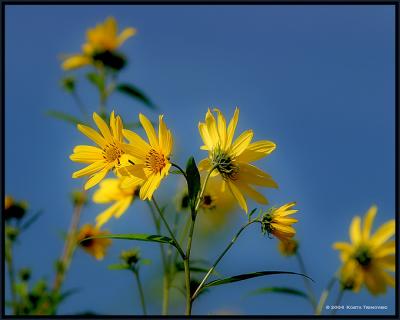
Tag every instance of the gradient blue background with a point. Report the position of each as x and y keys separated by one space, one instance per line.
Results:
x=317 y=80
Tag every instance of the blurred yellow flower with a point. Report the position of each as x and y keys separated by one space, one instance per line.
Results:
x=276 y=222
x=95 y=247
x=103 y=37
x=8 y=202
x=110 y=191
x=151 y=161
x=232 y=159
x=367 y=258
x=102 y=159
x=288 y=247
x=216 y=205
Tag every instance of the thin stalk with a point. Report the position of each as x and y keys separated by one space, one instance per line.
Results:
x=69 y=248
x=186 y=260
x=140 y=288
x=324 y=295
x=164 y=263
x=168 y=228
x=11 y=274
x=338 y=299
x=195 y=294
x=80 y=104
x=306 y=280
x=180 y=169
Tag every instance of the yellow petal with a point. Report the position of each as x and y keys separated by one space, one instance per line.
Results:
x=101 y=124
x=205 y=137
x=368 y=221
x=85 y=157
x=204 y=165
x=256 y=151
x=165 y=137
x=232 y=128
x=92 y=134
x=343 y=246
x=238 y=195
x=124 y=204
x=76 y=61
x=374 y=281
x=252 y=193
x=355 y=230
x=87 y=149
x=384 y=232
x=106 y=215
x=241 y=143
x=221 y=125
x=96 y=178
x=136 y=140
x=284 y=228
x=212 y=128
x=148 y=127
x=385 y=249
x=125 y=34
x=91 y=169
x=252 y=175
x=148 y=188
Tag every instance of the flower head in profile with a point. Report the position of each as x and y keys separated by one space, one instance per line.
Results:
x=150 y=161
x=276 y=222
x=368 y=257
x=103 y=158
x=14 y=209
x=231 y=158
x=110 y=190
x=217 y=203
x=102 y=38
x=288 y=248
x=96 y=247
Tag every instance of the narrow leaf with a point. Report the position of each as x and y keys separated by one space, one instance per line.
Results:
x=118 y=266
x=193 y=180
x=96 y=80
x=135 y=236
x=64 y=116
x=27 y=224
x=175 y=172
x=285 y=290
x=251 y=213
x=135 y=93
x=246 y=276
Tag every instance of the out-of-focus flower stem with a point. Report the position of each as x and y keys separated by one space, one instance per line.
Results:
x=306 y=281
x=338 y=299
x=11 y=273
x=140 y=288
x=324 y=295
x=69 y=247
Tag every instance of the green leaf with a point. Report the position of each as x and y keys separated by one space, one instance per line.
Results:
x=193 y=180
x=135 y=93
x=68 y=84
x=246 y=276
x=145 y=262
x=118 y=266
x=135 y=236
x=175 y=172
x=251 y=213
x=31 y=220
x=96 y=80
x=64 y=116
x=284 y=290
x=180 y=267
x=67 y=294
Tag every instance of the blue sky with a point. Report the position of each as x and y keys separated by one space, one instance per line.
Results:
x=316 y=80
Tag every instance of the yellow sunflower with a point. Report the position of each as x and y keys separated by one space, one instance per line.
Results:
x=103 y=37
x=110 y=191
x=367 y=258
x=103 y=158
x=288 y=248
x=150 y=161
x=95 y=247
x=232 y=158
x=276 y=222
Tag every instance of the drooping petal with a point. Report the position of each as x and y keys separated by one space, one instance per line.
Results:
x=76 y=61
x=107 y=214
x=96 y=178
x=124 y=204
x=148 y=188
x=238 y=195
x=252 y=193
x=91 y=169
x=252 y=175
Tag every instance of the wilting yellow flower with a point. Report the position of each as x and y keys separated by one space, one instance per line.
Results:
x=276 y=222
x=110 y=191
x=150 y=161
x=103 y=37
x=217 y=203
x=288 y=247
x=367 y=258
x=102 y=159
x=95 y=247
x=232 y=159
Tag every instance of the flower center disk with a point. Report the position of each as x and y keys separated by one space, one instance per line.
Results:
x=111 y=153
x=155 y=161
x=224 y=164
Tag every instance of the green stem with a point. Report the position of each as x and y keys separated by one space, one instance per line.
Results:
x=189 y=300
x=11 y=274
x=80 y=104
x=338 y=299
x=164 y=264
x=168 y=228
x=180 y=169
x=306 y=281
x=324 y=295
x=195 y=294
x=136 y=272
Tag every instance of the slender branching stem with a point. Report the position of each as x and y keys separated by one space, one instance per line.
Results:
x=180 y=169
x=324 y=295
x=201 y=285
x=338 y=299
x=140 y=288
